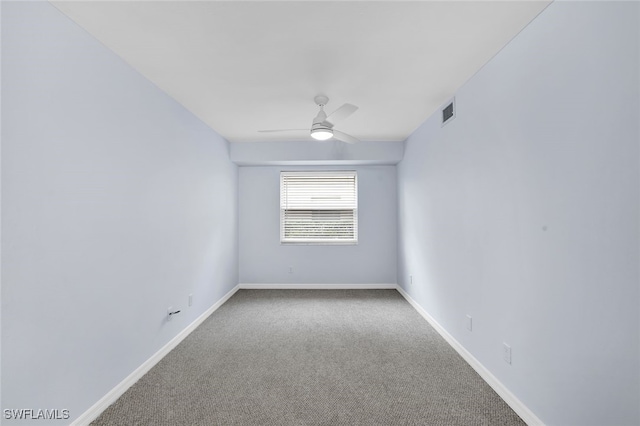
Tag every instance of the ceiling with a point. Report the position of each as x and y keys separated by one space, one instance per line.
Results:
x=245 y=66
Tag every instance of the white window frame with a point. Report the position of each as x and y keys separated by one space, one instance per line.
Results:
x=295 y=204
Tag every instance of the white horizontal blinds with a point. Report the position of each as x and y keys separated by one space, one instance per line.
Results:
x=319 y=207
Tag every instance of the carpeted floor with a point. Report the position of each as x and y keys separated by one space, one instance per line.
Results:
x=312 y=357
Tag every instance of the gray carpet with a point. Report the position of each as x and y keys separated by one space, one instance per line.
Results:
x=312 y=357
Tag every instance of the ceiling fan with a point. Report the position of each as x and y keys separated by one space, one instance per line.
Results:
x=322 y=126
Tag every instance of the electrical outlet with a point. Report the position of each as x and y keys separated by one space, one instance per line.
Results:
x=410 y=279
x=291 y=269
x=506 y=353
x=190 y=299
x=469 y=323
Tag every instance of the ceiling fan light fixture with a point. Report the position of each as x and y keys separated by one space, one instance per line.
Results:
x=322 y=125
x=321 y=134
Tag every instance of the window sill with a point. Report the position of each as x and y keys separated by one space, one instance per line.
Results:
x=318 y=243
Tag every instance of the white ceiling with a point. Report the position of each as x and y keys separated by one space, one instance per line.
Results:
x=244 y=66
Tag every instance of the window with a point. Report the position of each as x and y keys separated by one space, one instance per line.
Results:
x=319 y=207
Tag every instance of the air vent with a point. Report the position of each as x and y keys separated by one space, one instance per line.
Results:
x=448 y=112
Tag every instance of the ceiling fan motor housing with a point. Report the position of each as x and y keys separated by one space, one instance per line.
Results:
x=321 y=132
x=320 y=118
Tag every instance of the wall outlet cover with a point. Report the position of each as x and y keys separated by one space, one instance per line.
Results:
x=506 y=353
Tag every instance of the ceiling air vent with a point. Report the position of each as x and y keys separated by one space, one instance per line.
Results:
x=448 y=112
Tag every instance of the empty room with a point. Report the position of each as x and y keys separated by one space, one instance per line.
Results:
x=320 y=213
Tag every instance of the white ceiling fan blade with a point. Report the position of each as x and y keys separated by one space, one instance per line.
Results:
x=283 y=130
x=344 y=137
x=341 y=113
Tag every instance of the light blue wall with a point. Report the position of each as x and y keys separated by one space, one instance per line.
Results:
x=264 y=260
x=523 y=213
x=116 y=203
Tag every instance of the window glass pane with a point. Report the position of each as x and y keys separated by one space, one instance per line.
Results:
x=319 y=207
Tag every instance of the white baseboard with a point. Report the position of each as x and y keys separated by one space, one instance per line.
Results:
x=516 y=405
x=92 y=413
x=278 y=286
